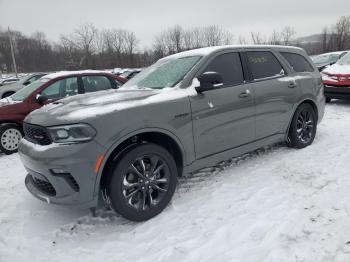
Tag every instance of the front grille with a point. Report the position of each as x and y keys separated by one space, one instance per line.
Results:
x=44 y=186
x=36 y=134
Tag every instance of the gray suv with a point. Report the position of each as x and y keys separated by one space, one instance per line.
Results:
x=187 y=111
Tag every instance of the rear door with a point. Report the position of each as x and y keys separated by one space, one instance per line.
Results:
x=223 y=118
x=275 y=91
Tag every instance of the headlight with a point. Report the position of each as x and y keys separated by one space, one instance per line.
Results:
x=72 y=133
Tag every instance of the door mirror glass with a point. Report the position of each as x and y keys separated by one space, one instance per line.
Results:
x=41 y=99
x=209 y=81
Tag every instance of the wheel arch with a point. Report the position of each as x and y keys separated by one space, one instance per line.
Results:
x=5 y=122
x=304 y=101
x=160 y=137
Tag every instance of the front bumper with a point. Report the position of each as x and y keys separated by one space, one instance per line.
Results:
x=334 y=91
x=74 y=184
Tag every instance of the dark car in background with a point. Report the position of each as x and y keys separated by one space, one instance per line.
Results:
x=323 y=60
x=15 y=108
x=336 y=79
x=14 y=87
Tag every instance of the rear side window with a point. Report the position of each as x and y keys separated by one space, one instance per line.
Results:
x=264 y=64
x=96 y=83
x=297 y=62
x=229 y=67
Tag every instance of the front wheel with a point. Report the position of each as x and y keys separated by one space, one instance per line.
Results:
x=10 y=136
x=302 y=130
x=142 y=182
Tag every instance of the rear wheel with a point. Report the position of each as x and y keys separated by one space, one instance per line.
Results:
x=328 y=100
x=302 y=130
x=142 y=182
x=10 y=136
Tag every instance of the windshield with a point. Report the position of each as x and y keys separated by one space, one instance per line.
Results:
x=345 y=60
x=164 y=73
x=27 y=90
x=326 y=58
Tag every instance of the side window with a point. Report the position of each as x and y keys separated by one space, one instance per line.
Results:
x=264 y=64
x=62 y=88
x=96 y=83
x=297 y=62
x=229 y=66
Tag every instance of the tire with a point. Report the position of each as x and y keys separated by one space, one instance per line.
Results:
x=7 y=94
x=328 y=99
x=142 y=182
x=10 y=136
x=303 y=127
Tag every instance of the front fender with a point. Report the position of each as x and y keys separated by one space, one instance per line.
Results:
x=111 y=148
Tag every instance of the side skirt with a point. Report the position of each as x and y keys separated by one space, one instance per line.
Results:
x=222 y=156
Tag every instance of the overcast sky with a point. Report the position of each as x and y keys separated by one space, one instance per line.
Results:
x=148 y=18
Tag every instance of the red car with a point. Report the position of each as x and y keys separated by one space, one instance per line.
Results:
x=336 y=79
x=47 y=89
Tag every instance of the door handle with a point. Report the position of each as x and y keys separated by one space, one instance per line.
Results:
x=292 y=85
x=244 y=94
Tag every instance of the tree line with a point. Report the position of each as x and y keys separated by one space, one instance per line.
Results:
x=87 y=47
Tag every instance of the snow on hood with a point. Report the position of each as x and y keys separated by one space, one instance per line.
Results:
x=8 y=101
x=338 y=69
x=99 y=103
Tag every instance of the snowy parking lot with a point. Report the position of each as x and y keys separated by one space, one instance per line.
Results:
x=274 y=204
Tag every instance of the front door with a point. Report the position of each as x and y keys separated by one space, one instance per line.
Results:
x=60 y=89
x=223 y=118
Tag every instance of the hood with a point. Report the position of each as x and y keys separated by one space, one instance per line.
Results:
x=7 y=105
x=80 y=107
x=338 y=69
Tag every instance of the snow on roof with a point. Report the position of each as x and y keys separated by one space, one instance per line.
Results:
x=208 y=50
x=67 y=73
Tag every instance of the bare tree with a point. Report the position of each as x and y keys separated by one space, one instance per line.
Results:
x=275 y=38
x=342 y=32
x=130 y=44
x=242 y=40
x=257 y=38
x=287 y=35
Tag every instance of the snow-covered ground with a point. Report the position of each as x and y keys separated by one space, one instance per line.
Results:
x=275 y=204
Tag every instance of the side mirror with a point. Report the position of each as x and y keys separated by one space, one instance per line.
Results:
x=41 y=99
x=26 y=83
x=209 y=81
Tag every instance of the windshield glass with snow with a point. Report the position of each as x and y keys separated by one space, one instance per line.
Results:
x=345 y=60
x=27 y=90
x=164 y=73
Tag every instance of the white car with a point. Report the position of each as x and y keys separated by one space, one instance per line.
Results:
x=12 y=88
x=8 y=81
